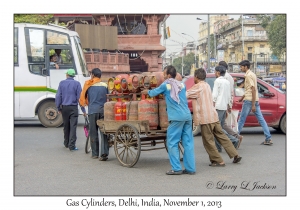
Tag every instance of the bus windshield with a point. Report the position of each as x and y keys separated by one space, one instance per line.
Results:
x=81 y=57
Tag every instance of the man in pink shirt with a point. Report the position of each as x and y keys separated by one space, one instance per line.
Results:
x=205 y=114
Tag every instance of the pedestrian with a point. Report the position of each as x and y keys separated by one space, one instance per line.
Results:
x=250 y=102
x=66 y=101
x=205 y=114
x=226 y=127
x=94 y=95
x=240 y=91
x=58 y=55
x=180 y=122
x=222 y=101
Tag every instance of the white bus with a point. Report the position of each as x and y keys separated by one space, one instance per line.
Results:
x=35 y=80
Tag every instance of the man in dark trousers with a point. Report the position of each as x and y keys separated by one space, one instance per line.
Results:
x=94 y=95
x=66 y=101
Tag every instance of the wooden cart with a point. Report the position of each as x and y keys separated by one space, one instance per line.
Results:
x=130 y=137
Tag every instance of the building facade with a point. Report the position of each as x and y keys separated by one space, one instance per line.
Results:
x=241 y=39
x=138 y=41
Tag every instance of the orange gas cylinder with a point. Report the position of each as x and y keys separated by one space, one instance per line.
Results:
x=163 y=116
x=146 y=81
x=120 y=82
x=156 y=79
x=148 y=110
x=120 y=110
x=109 y=113
x=132 y=110
x=133 y=83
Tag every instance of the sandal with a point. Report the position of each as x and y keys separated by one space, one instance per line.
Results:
x=103 y=157
x=171 y=172
x=216 y=164
x=237 y=159
x=267 y=142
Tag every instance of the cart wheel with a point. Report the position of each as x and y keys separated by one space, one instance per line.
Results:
x=88 y=147
x=127 y=145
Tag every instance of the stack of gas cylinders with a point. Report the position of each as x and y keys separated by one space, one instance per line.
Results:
x=125 y=101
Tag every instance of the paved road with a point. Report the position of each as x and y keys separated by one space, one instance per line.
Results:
x=42 y=166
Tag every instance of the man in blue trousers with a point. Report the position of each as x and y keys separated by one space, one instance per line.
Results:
x=180 y=122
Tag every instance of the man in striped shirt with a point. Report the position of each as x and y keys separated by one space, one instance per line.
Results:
x=205 y=114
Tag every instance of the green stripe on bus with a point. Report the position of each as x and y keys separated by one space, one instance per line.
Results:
x=32 y=89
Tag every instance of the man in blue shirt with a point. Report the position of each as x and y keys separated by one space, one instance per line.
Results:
x=66 y=101
x=180 y=122
x=95 y=92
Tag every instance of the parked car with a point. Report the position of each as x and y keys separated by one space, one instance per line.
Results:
x=272 y=102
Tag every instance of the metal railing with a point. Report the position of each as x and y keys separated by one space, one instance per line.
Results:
x=107 y=58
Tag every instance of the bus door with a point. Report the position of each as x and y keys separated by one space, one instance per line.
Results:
x=55 y=70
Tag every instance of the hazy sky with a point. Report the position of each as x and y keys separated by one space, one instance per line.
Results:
x=187 y=24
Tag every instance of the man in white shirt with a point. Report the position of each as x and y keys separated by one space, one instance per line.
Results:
x=227 y=128
x=221 y=93
x=222 y=101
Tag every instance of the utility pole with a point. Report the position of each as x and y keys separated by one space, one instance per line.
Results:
x=165 y=57
x=208 y=40
x=242 y=38
x=182 y=61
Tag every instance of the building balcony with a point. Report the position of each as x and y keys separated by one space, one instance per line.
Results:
x=108 y=62
x=238 y=40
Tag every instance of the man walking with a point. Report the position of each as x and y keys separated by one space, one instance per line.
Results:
x=222 y=101
x=94 y=95
x=227 y=128
x=66 y=101
x=180 y=123
x=250 y=102
x=205 y=114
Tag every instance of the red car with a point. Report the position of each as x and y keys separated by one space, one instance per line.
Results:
x=272 y=102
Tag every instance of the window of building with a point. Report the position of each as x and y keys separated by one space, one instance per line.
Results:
x=249 y=32
x=249 y=48
x=249 y=56
x=262 y=46
x=16 y=49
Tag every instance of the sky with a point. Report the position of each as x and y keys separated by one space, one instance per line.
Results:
x=188 y=24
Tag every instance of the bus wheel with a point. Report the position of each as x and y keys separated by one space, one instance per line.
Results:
x=48 y=115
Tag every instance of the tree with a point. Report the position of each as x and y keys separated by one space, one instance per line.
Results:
x=188 y=61
x=42 y=19
x=275 y=26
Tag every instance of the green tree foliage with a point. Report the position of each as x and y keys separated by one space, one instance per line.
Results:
x=188 y=61
x=42 y=19
x=275 y=26
x=33 y=18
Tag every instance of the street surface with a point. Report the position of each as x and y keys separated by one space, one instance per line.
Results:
x=43 y=166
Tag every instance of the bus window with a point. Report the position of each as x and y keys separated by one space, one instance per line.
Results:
x=57 y=38
x=81 y=57
x=35 y=49
x=16 y=49
x=67 y=60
